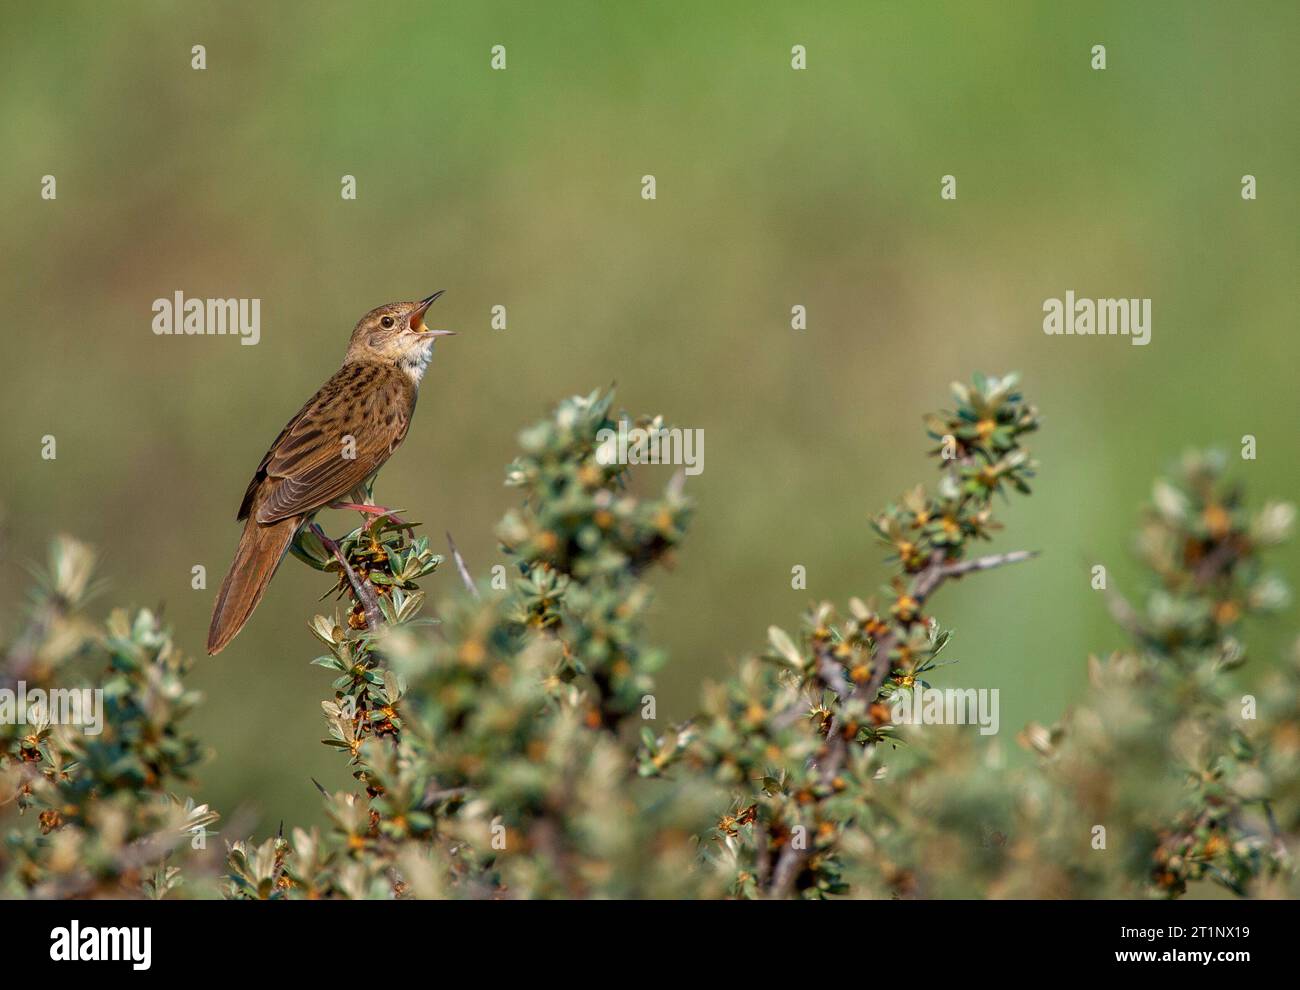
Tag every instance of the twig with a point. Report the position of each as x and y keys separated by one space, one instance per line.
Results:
x=1279 y=845
x=938 y=570
x=364 y=595
x=1215 y=562
x=927 y=583
x=432 y=796
x=460 y=566
x=1126 y=616
x=832 y=674
x=787 y=868
x=987 y=563
x=763 y=860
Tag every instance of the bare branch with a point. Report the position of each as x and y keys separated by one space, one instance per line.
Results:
x=362 y=591
x=987 y=563
x=787 y=868
x=434 y=794
x=461 y=568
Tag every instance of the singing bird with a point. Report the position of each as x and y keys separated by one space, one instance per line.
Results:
x=335 y=444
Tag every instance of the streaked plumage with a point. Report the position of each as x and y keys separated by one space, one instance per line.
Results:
x=338 y=440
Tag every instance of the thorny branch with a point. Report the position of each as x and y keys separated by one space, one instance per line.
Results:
x=927 y=583
x=936 y=572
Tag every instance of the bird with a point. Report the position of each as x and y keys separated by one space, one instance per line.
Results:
x=331 y=448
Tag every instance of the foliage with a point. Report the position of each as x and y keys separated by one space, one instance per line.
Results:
x=511 y=747
x=101 y=818
x=494 y=749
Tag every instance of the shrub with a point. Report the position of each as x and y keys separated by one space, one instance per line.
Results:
x=511 y=747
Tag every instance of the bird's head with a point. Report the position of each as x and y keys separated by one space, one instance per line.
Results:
x=396 y=333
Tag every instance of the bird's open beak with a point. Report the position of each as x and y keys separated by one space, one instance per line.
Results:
x=417 y=317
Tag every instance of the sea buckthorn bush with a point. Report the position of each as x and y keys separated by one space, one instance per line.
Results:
x=509 y=745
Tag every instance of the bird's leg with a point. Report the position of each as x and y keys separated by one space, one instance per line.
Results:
x=365 y=510
x=363 y=501
x=375 y=510
x=363 y=594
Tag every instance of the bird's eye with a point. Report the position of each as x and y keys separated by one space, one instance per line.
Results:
x=386 y=322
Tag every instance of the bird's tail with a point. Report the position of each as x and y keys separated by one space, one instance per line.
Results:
x=261 y=548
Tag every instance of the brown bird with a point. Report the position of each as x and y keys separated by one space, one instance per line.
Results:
x=336 y=443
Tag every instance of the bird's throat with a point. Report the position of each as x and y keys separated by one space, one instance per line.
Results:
x=416 y=361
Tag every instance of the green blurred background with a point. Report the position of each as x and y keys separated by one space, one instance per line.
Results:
x=522 y=188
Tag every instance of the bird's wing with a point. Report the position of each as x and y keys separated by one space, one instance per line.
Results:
x=337 y=440
x=250 y=493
